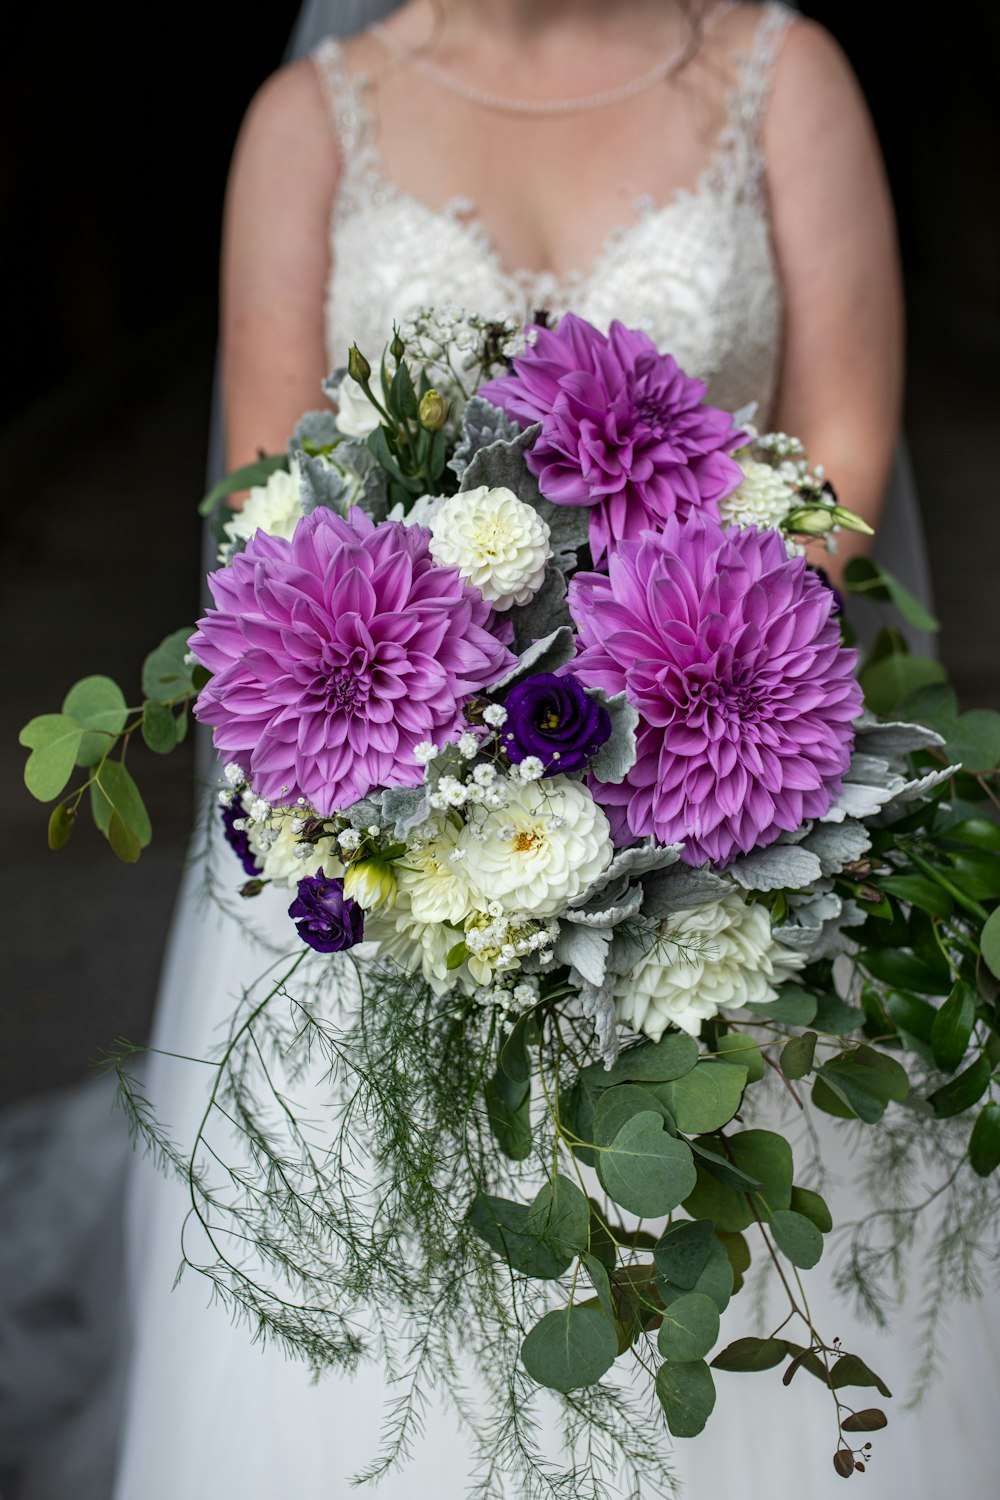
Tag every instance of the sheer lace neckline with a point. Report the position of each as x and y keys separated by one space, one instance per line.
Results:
x=733 y=166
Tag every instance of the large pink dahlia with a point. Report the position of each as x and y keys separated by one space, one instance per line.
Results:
x=730 y=653
x=336 y=653
x=623 y=429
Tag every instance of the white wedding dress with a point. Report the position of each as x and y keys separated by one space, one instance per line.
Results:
x=209 y=1415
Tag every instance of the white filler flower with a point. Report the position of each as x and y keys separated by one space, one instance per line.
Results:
x=548 y=843
x=436 y=888
x=274 y=507
x=495 y=541
x=763 y=499
x=277 y=850
x=356 y=416
x=719 y=957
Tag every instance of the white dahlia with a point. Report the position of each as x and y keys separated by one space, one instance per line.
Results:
x=547 y=843
x=719 y=957
x=434 y=883
x=413 y=946
x=496 y=542
x=274 y=507
x=276 y=849
x=763 y=499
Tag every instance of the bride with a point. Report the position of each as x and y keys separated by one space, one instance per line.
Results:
x=706 y=172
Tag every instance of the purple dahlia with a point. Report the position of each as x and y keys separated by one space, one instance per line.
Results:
x=730 y=653
x=324 y=918
x=623 y=429
x=337 y=652
x=556 y=720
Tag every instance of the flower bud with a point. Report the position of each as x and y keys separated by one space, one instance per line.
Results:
x=811 y=520
x=357 y=366
x=433 y=411
x=397 y=348
x=850 y=521
x=371 y=883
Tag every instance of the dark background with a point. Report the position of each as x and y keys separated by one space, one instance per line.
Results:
x=114 y=152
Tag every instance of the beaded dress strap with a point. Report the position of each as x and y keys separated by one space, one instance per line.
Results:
x=740 y=163
x=350 y=117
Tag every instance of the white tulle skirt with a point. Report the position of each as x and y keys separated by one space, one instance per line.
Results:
x=209 y=1413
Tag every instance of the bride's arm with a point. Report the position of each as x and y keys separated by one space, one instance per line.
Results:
x=835 y=238
x=275 y=263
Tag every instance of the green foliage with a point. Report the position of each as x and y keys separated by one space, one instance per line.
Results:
x=794 y=1006
x=244 y=478
x=750 y=1354
x=54 y=741
x=159 y=727
x=890 y=682
x=687 y=1394
x=652 y=1062
x=971 y=739
x=166 y=675
x=867 y=578
x=644 y=1169
x=737 y=1047
x=715 y=1279
x=704 y=1099
x=989 y=943
x=797 y=1055
x=98 y=705
x=963 y=1092
x=952 y=1028
x=859 y=1084
x=570 y=1348
x=813 y=1206
x=689 y=1329
x=683 y=1250
x=797 y=1237
x=984 y=1143
x=538 y=1240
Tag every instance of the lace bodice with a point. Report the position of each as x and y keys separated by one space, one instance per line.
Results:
x=697 y=272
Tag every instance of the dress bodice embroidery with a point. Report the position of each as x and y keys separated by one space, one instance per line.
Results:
x=697 y=272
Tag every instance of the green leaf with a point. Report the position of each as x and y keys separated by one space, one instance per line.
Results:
x=114 y=791
x=165 y=673
x=977 y=874
x=850 y=1370
x=242 y=479
x=864 y=576
x=738 y=1254
x=121 y=838
x=510 y=1121
x=682 y=1251
x=687 y=1395
x=180 y=726
x=619 y=1104
x=797 y=1237
x=794 y=1006
x=645 y=1170
x=984 y=1144
x=962 y=1092
x=737 y=1047
x=906 y=971
x=989 y=943
x=456 y=956
x=812 y=1206
x=836 y=1018
x=714 y=1280
x=911 y=1014
x=689 y=1329
x=863 y=1081
x=973 y=739
x=559 y=1218
x=598 y=1273
x=541 y=1240
x=722 y=1168
x=159 y=727
x=653 y=1062
x=96 y=704
x=889 y=682
x=750 y=1354
x=62 y=821
x=706 y=1098
x=54 y=741
x=727 y=1207
x=952 y=1029
x=768 y=1157
x=570 y=1348
x=979 y=832
x=514 y=1061
x=916 y=891
x=797 y=1055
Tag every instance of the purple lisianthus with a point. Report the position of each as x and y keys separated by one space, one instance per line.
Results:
x=730 y=653
x=554 y=719
x=336 y=653
x=623 y=429
x=237 y=838
x=324 y=918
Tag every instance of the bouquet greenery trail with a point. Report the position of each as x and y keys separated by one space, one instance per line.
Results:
x=608 y=870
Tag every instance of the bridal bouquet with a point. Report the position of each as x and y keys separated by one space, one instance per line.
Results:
x=593 y=838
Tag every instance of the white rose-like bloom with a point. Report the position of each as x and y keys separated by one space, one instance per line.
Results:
x=496 y=542
x=274 y=507
x=547 y=843
x=436 y=888
x=763 y=499
x=356 y=417
x=719 y=957
x=279 y=861
x=415 y=947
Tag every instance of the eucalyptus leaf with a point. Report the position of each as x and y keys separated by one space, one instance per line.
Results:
x=984 y=1143
x=737 y=1047
x=793 y=1005
x=166 y=674
x=850 y=1370
x=121 y=838
x=510 y=1122
x=570 y=1348
x=689 y=1329
x=683 y=1250
x=62 y=821
x=889 y=683
x=244 y=478
x=618 y=1104
x=813 y=1206
x=797 y=1054
x=952 y=1029
x=97 y=704
x=159 y=728
x=674 y=1055
x=727 y=1207
x=704 y=1099
x=54 y=741
x=687 y=1395
x=797 y=1237
x=645 y=1169
x=747 y=1355
x=115 y=792
x=964 y=1091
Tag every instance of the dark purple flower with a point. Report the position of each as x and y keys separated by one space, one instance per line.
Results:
x=623 y=429
x=323 y=917
x=728 y=650
x=237 y=838
x=555 y=719
x=336 y=653
x=824 y=577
